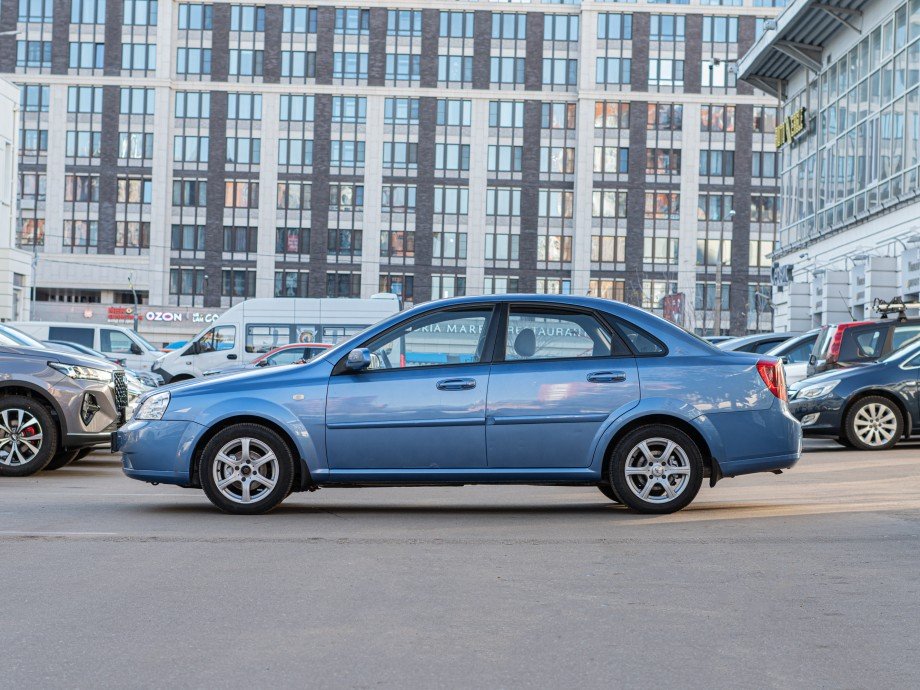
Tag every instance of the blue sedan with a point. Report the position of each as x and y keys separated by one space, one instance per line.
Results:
x=526 y=389
x=871 y=407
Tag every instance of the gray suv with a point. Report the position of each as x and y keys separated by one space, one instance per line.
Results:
x=54 y=406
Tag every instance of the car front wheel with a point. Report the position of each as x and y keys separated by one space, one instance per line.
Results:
x=656 y=469
x=28 y=436
x=609 y=492
x=874 y=423
x=246 y=469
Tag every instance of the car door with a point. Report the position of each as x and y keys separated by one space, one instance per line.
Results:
x=559 y=374
x=421 y=403
x=215 y=349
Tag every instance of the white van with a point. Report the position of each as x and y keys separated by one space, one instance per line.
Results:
x=256 y=326
x=116 y=342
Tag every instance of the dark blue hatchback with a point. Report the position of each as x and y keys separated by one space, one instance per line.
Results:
x=871 y=407
x=529 y=389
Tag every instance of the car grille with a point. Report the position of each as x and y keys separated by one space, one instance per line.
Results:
x=121 y=391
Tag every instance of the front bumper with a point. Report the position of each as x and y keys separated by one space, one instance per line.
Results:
x=157 y=451
x=821 y=416
x=88 y=410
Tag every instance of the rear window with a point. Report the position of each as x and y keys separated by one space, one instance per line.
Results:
x=70 y=334
x=765 y=346
x=863 y=343
x=800 y=352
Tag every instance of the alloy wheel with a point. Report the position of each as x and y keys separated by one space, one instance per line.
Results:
x=657 y=470
x=875 y=424
x=245 y=470
x=20 y=437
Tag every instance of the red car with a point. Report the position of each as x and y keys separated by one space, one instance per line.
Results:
x=294 y=353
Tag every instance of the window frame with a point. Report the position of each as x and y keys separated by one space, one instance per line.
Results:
x=488 y=348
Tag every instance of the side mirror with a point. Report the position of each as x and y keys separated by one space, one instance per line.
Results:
x=262 y=363
x=358 y=359
x=136 y=349
x=784 y=359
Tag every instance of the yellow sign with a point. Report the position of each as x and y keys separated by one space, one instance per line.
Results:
x=790 y=128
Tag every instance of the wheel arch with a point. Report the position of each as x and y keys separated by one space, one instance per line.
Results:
x=711 y=465
x=880 y=393
x=36 y=393
x=302 y=478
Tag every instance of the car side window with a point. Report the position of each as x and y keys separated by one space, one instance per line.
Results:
x=766 y=346
x=641 y=343
x=218 y=338
x=445 y=337
x=546 y=333
x=265 y=338
x=862 y=343
x=81 y=336
x=114 y=341
x=289 y=356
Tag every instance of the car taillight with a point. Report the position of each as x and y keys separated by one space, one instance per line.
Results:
x=771 y=371
x=833 y=352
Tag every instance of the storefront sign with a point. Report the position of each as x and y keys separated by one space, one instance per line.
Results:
x=790 y=128
x=120 y=314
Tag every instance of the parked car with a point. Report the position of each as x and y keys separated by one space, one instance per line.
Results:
x=286 y=354
x=716 y=339
x=759 y=343
x=54 y=406
x=859 y=342
x=530 y=389
x=115 y=342
x=871 y=407
x=145 y=379
x=795 y=353
x=256 y=326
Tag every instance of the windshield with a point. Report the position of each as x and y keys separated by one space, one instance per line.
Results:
x=142 y=341
x=16 y=338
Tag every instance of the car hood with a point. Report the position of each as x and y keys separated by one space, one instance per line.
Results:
x=52 y=355
x=249 y=378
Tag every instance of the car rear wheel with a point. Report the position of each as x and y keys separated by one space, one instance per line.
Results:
x=609 y=492
x=61 y=459
x=28 y=436
x=874 y=423
x=246 y=469
x=656 y=469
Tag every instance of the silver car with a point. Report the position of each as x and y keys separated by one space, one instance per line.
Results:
x=54 y=406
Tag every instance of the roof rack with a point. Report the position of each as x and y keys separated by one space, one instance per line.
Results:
x=896 y=305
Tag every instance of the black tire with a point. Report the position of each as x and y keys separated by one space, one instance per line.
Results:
x=609 y=492
x=684 y=460
x=280 y=473
x=17 y=465
x=877 y=408
x=61 y=459
x=83 y=452
x=844 y=441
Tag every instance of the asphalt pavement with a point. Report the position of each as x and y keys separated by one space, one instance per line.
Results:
x=808 y=579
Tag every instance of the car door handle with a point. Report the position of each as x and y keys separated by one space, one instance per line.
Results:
x=606 y=376
x=456 y=384
x=231 y=356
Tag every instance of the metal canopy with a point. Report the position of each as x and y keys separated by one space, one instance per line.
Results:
x=797 y=41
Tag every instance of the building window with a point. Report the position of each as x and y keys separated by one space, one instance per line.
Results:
x=87 y=11
x=608 y=203
x=559 y=159
x=615 y=27
x=720 y=29
x=190 y=193
x=507 y=113
x=511 y=26
x=238 y=283
x=558 y=116
x=195 y=17
x=560 y=27
x=349 y=65
x=34 y=141
x=555 y=203
x=36 y=10
x=506 y=70
x=34 y=98
x=295 y=152
x=665 y=72
x=717 y=118
x=400 y=111
x=244 y=106
x=292 y=284
x=665 y=116
x=454 y=113
x=455 y=68
x=81 y=188
x=444 y=286
x=292 y=241
x=345 y=153
x=241 y=194
x=452 y=157
x=352 y=21
x=763 y=164
x=137 y=101
x=667 y=27
x=715 y=207
x=246 y=63
x=613 y=70
x=135 y=145
x=244 y=150
x=403 y=67
x=240 y=239
x=299 y=20
x=81 y=234
x=193 y=61
x=193 y=104
x=608 y=248
x=186 y=281
x=456 y=24
x=138 y=56
x=401 y=198
x=187 y=238
x=84 y=55
x=504 y=158
x=38 y=53
x=135 y=190
x=610 y=115
x=83 y=144
x=400 y=154
x=132 y=235
x=343 y=285
x=298 y=63
x=717 y=163
x=611 y=159
x=247 y=18
x=662 y=162
x=190 y=149
x=346 y=196
x=404 y=22
x=349 y=109
x=662 y=205
x=297 y=108
x=560 y=72
x=140 y=13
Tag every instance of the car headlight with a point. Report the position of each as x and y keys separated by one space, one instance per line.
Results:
x=816 y=391
x=76 y=371
x=153 y=407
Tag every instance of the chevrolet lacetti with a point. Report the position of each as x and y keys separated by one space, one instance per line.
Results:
x=510 y=389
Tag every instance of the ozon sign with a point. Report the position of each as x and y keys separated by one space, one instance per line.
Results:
x=179 y=317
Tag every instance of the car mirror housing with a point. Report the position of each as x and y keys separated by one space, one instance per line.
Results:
x=358 y=359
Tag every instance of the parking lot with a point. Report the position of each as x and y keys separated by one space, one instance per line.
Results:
x=809 y=578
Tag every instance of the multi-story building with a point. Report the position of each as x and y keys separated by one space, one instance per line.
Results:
x=848 y=76
x=203 y=153
x=15 y=264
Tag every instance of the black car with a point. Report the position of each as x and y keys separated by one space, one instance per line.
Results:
x=871 y=407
